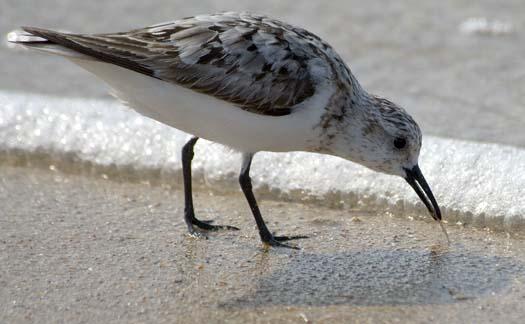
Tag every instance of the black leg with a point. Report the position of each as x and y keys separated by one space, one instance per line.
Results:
x=246 y=185
x=189 y=213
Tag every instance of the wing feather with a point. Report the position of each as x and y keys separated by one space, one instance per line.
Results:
x=259 y=64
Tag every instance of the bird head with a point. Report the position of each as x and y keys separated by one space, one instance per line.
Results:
x=383 y=137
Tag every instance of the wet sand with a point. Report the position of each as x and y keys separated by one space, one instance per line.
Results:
x=79 y=249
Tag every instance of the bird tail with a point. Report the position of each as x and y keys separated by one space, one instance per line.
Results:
x=42 y=40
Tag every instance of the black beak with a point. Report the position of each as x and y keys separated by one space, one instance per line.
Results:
x=416 y=180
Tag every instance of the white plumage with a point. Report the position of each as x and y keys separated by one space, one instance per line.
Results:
x=250 y=82
x=211 y=118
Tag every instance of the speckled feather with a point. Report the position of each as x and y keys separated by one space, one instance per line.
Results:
x=260 y=64
x=264 y=66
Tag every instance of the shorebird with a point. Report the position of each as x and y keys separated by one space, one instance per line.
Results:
x=252 y=83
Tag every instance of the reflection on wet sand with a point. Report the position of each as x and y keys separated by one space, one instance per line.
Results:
x=382 y=277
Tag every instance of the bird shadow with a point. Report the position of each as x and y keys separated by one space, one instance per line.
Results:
x=382 y=277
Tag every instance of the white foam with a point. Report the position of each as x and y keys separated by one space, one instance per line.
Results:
x=474 y=183
x=484 y=26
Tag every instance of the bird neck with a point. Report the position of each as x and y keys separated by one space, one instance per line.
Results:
x=344 y=124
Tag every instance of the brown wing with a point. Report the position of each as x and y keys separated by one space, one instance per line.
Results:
x=257 y=63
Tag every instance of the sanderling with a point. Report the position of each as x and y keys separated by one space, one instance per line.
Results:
x=252 y=83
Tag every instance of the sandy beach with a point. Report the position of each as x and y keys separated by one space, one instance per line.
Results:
x=91 y=225
x=77 y=249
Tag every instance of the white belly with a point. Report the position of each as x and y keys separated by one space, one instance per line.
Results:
x=211 y=118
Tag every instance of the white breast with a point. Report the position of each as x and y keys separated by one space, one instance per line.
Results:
x=211 y=118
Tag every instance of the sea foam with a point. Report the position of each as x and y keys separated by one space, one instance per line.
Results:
x=475 y=183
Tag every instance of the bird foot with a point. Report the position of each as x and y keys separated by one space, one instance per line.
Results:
x=193 y=232
x=276 y=241
x=289 y=238
x=206 y=226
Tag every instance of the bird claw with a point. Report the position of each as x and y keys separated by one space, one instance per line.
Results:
x=275 y=243
x=214 y=228
x=289 y=238
x=206 y=226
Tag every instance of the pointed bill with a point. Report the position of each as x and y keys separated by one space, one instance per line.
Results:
x=417 y=181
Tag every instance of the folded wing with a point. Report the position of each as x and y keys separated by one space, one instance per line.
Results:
x=259 y=64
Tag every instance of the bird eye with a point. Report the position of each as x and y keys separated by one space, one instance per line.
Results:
x=400 y=142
